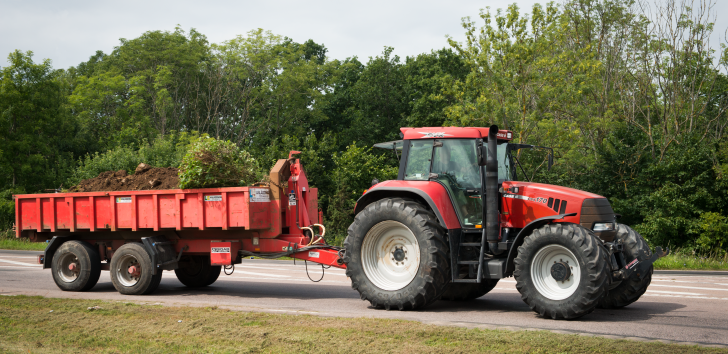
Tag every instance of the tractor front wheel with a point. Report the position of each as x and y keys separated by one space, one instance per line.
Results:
x=561 y=271
x=396 y=255
x=630 y=290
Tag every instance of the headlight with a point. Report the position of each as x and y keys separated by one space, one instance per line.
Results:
x=603 y=226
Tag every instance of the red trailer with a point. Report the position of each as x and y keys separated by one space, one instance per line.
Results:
x=136 y=234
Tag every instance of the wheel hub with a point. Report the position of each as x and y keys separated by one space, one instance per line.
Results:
x=134 y=271
x=560 y=271
x=398 y=254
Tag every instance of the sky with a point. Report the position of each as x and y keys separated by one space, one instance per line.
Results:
x=69 y=32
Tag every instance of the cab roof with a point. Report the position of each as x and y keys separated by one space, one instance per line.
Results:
x=452 y=132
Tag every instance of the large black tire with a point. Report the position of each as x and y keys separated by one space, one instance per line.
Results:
x=431 y=277
x=576 y=296
x=629 y=290
x=87 y=266
x=468 y=291
x=128 y=255
x=196 y=271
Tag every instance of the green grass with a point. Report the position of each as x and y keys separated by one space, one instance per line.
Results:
x=9 y=242
x=27 y=325
x=680 y=260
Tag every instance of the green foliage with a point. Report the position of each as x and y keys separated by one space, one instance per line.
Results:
x=217 y=163
x=7 y=207
x=354 y=170
x=163 y=151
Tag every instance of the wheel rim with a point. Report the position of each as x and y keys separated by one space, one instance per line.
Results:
x=390 y=255
x=128 y=270
x=69 y=268
x=541 y=272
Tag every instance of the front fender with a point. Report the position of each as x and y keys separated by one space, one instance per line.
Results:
x=432 y=194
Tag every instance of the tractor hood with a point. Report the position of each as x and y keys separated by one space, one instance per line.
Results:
x=524 y=202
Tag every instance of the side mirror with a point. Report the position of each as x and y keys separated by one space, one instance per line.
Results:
x=482 y=154
x=551 y=160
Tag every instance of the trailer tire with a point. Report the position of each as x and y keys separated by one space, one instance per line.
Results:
x=569 y=252
x=630 y=290
x=131 y=270
x=396 y=230
x=196 y=271
x=76 y=266
x=468 y=291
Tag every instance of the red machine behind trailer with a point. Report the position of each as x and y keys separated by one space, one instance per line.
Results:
x=194 y=232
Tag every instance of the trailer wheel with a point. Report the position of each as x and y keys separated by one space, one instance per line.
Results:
x=561 y=271
x=630 y=290
x=196 y=271
x=76 y=266
x=468 y=291
x=396 y=255
x=131 y=270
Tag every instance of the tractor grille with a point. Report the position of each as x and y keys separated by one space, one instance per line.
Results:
x=597 y=210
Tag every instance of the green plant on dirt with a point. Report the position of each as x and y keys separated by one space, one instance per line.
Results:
x=163 y=151
x=216 y=163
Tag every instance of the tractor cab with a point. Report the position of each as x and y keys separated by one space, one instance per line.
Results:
x=450 y=156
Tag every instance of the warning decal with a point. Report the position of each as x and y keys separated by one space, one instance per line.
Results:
x=123 y=200
x=220 y=250
x=213 y=198
x=312 y=254
x=259 y=195
x=292 y=199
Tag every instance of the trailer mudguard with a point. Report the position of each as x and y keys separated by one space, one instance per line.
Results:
x=431 y=193
x=51 y=249
x=518 y=241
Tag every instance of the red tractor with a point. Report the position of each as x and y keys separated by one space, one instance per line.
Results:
x=457 y=219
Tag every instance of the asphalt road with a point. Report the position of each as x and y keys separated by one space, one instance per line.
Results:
x=678 y=306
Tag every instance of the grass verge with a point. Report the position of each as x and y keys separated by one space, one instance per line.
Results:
x=27 y=325
x=9 y=242
x=687 y=261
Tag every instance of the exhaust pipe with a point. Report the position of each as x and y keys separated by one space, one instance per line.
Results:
x=492 y=215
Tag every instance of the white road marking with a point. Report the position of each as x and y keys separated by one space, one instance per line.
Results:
x=264 y=274
x=279 y=280
x=673 y=292
x=21 y=263
x=687 y=287
x=18 y=257
x=687 y=297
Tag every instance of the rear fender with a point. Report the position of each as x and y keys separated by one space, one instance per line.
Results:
x=518 y=241
x=431 y=194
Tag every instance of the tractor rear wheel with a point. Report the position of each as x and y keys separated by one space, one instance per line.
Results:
x=630 y=290
x=396 y=255
x=468 y=291
x=561 y=271
x=196 y=271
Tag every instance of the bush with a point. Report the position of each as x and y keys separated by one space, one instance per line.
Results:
x=216 y=163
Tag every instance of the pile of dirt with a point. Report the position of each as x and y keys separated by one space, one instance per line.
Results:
x=144 y=178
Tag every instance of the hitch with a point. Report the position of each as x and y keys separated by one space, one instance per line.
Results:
x=640 y=267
